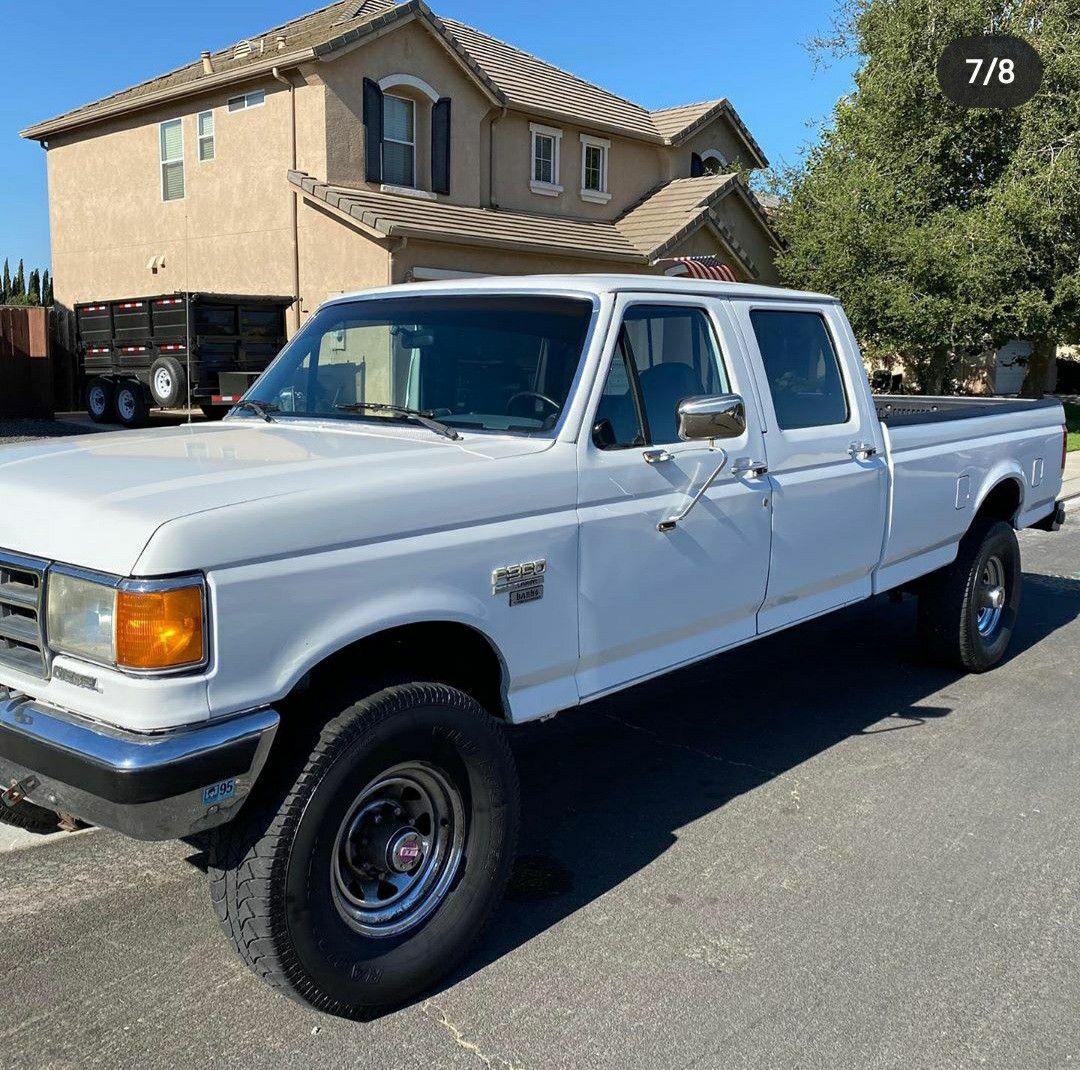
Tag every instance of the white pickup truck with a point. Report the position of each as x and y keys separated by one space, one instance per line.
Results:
x=444 y=509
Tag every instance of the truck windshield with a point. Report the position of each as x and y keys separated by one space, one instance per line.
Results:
x=487 y=362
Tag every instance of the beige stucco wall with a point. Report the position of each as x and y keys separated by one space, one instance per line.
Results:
x=231 y=232
x=718 y=135
x=409 y=50
x=335 y=257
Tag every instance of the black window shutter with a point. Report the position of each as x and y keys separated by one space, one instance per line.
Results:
x=697 y=165
x=440 y=146
x=373 y=130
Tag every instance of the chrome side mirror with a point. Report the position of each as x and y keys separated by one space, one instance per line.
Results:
x=719 y=416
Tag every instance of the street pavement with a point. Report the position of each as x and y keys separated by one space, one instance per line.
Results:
x=814 y=852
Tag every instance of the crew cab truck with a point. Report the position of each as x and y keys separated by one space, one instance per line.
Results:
x=175 y=349
x=446 y=508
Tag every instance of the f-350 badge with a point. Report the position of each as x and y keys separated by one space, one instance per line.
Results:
x=523 y=583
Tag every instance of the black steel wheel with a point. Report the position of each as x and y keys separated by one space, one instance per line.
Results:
x=364 y=872
x=967 y=611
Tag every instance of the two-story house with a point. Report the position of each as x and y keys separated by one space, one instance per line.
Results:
x=372 y=142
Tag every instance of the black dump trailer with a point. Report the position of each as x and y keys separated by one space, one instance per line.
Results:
x=175 y=350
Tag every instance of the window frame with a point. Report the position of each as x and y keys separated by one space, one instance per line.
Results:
x=555 y=135
x=603 y=194
x=246 y=102
x=396 y=141
x=626 y=353
x=164 y=161
x=202 y=138
x=852 y=411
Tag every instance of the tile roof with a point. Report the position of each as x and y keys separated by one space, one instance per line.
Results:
x=510 y=75
x=299 y=33
x=647 y=231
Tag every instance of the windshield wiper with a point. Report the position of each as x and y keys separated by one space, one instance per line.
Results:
x=260 y=408
x=424 y=418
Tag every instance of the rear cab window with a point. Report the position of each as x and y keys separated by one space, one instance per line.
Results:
x=802 y=368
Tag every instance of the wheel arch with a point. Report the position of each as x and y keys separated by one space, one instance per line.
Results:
x=1002 y=498
x=437 y=650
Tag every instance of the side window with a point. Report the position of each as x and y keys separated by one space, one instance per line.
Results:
x=801 y=367
x=665 y=353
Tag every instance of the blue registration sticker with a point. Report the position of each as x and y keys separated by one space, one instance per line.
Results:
x=219 y=792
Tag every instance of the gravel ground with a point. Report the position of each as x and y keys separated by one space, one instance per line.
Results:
x=27 y=430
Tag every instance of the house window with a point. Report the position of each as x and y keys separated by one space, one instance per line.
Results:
x=206 y=136
x=594 y=169
x=544 y=178
x=247 y=100
x=172 y=160
x=399 y=141
x=713 y=162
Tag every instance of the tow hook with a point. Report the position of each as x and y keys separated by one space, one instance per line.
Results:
x=17 y=792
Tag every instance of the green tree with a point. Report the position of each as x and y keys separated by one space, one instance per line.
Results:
x=33 y=289
x=18 y=287
x=6 y=294
x=46 y=288
x=944 y=230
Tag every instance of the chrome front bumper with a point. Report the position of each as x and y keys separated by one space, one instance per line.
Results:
x=159 y=786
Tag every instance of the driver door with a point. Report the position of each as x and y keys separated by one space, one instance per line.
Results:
x=651 y=600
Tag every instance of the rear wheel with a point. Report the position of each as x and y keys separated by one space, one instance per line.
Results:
x=967 y=611
x=100 y=397
x=132 y=406
x=371 y=870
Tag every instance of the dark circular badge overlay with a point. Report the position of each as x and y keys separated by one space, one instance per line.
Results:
x=991 y=71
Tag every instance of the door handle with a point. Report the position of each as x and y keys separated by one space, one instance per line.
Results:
x=656 y=456
x=744 y=466
x=862 y=451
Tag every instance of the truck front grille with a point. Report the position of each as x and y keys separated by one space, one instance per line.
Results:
x=22 y=642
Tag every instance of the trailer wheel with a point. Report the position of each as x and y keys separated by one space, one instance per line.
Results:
x=168 y=383
x=967 y=611
x=100 y=400
x=132 y=406
x=374 y=858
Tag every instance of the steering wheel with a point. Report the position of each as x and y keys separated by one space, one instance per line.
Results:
x=555 y=406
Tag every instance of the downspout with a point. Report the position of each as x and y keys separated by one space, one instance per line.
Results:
x=295 y=199
x=491 y=157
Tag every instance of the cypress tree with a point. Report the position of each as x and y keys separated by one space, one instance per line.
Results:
x=33 y=290
x=46 y=289
x=7 y=283
x=18 y=288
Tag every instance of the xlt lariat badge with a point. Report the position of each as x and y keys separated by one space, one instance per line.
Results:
x=523 y=583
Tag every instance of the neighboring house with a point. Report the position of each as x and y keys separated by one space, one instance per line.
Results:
x=372 y=143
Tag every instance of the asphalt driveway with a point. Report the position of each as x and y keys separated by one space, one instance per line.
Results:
x=815 y=852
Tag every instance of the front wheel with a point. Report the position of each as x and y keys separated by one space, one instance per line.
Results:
x=371 y=870
x=967 y=611
x=100 y=395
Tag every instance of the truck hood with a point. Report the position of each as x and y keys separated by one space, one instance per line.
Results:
x=105 y=501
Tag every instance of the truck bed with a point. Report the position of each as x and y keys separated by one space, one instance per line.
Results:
x=896 y=410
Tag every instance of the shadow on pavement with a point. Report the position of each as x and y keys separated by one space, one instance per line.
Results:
x=605 y=788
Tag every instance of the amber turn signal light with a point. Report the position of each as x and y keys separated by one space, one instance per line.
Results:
x=160 y=629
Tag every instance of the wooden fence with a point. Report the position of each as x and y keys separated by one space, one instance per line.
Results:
x=26 y=372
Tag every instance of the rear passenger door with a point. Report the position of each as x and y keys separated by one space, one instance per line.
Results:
x=824 y=448
x=649 y=599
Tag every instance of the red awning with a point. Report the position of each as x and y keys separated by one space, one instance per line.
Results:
x=706 y=267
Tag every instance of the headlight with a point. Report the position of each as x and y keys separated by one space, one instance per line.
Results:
x=145 y=625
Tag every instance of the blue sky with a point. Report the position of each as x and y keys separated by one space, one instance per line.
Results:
x=70 y=53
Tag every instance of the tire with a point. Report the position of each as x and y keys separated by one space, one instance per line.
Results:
x=168 y=382
x=215 y=412
x=101 y=401
x=958 y=624
x=283 y=874
x=132 y=406
x=31 y=817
